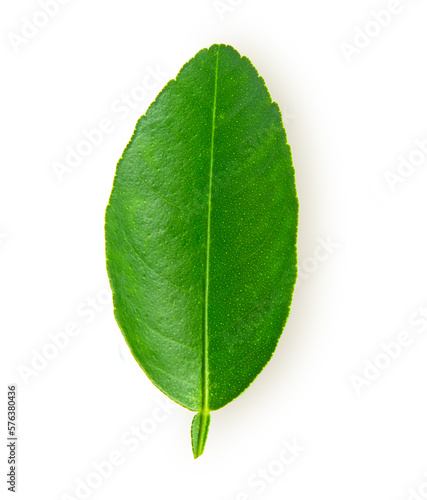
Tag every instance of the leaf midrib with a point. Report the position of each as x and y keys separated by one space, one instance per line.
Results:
x=205 y=367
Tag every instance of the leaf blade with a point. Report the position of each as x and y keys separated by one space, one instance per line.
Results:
x=201 y=233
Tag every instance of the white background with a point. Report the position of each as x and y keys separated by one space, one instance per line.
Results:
x=350 y=120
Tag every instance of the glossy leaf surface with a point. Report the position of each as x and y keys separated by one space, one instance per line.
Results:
x=201 y=234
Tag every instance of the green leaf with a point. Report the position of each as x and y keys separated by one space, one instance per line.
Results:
x=201 y=234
